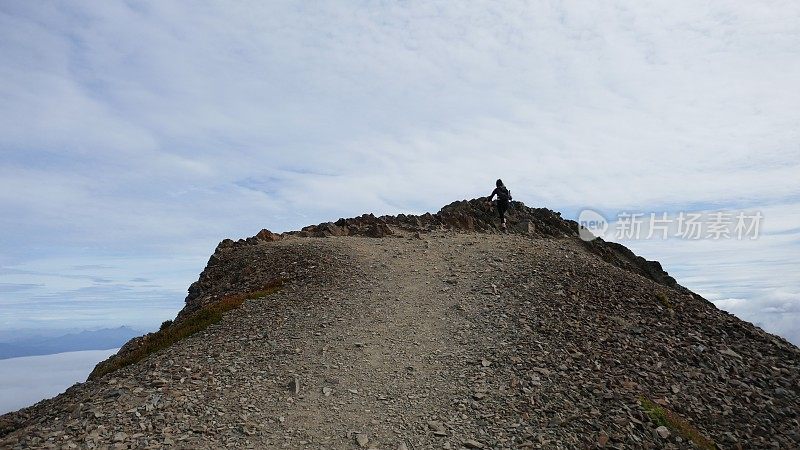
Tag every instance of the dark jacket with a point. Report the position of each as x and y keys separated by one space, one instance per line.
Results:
x=502 y=193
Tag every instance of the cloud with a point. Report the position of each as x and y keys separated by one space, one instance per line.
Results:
x=68 y=295
x=775 y=311
x=27 y=380
x=18 y=287
x=154 y=130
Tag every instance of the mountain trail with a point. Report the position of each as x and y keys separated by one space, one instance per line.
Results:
x=437 y=340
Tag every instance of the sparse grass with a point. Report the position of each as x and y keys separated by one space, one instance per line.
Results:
x=174 y=332
x=671 y=420
x=662 y=297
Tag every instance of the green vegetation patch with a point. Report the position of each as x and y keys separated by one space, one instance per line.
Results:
x=170 y=333
x=662 y=297
x=676 y=423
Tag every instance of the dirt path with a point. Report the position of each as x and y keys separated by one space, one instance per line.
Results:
x=376 y=357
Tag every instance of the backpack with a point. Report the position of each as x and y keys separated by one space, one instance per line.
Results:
x=504 y=195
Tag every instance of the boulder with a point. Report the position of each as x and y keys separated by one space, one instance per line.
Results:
x=266 y=235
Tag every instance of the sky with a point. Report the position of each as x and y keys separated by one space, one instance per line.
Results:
x=134 y=136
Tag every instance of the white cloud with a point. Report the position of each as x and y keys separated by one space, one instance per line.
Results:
x=27 y=380
x=160 y=128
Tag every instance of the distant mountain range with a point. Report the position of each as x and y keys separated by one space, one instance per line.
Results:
x=102 y=339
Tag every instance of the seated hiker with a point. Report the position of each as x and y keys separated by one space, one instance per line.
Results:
x=503 y=198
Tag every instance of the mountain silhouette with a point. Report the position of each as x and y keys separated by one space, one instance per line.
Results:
x=101 y=339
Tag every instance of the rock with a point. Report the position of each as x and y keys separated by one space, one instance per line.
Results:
x=362 y=440
x=266 y=235
x=663 y=432
x=402 y=446
x=470 y=443
x=730 y=352
x=120 y=436
x=485 y=362
x=524 y=227
x=437 y=427
x=294 y=385
x=434 y=425
x=378 y=230
x=327 y=391
x=331 y=229
x=226 y=243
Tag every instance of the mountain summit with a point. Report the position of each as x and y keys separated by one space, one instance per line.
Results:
x=433 y=331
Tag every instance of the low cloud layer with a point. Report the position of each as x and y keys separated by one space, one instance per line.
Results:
x=25 y=381
x=134 y=137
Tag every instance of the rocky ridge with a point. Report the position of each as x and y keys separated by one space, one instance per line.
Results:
x=437 y=331
x=465 y=216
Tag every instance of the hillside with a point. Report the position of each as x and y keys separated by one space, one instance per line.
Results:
x=436 y=331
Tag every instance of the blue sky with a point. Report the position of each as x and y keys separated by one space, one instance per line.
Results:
x=136 y=135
